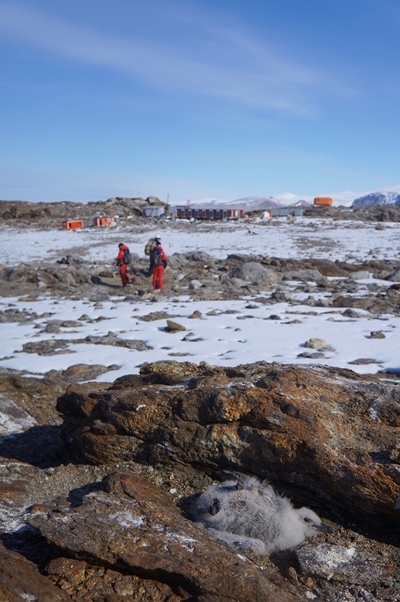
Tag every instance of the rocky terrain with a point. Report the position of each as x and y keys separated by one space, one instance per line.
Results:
x=94 y=496
x=368 y=212
x=96 y=478
x=50 y=215
x=208 y=278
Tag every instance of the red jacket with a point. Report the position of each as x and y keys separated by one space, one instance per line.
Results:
x=121 y=254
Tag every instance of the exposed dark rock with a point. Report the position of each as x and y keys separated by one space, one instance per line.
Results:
x=135 y=528
x=254 y=272
x=81 y=372
x=350 y=313
x=377 y=334
x=155 y=315
x=51 y=347
x=20 y=579
x=242 y=258
x=199 y=256
x=236 y=419
x=112 y=339
x=174 y=327
x=51 y=215
x=304 y=275
x=327 y=438
x=363 y=361
x=344 y=564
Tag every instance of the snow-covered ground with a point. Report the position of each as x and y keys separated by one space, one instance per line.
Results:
x=325 y=239
x=229 y=332
x=241 y=336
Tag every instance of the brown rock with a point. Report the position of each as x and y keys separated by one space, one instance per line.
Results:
x=79 y=372
x=155 y=315
x=324 y=430
x=134 y=527
x=21 y=580
x=174 y=326
x=87 y=582
x=33 y=396
x=13 y=489
x=363 y=361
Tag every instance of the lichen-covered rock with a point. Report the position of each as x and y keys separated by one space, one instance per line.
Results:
x=133 y=527
x=326 y=431
x=343 y=564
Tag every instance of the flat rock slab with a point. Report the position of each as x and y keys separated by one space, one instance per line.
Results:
x=60 y=346
x=363 y=361
x=154 y=315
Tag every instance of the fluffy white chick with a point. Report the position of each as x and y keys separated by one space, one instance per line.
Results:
x=252 y=516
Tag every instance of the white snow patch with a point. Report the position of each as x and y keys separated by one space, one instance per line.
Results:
x=126 y=519
x=186 y=542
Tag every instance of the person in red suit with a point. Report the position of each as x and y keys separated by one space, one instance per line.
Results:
x=158 y=263
x=123 y=267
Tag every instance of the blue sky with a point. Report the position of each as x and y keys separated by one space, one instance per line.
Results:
x=214 y=98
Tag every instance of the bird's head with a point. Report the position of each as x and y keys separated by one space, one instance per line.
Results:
x=311 y=523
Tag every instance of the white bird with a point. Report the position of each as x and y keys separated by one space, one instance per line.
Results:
x=252 y=516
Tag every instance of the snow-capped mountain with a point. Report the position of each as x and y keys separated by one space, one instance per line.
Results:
x=257 y=202
x=378 y=198
x=385 y=196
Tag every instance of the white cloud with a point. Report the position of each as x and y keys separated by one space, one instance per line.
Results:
x=216 y=61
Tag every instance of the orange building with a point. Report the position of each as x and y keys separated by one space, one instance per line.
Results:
x=103 y=221
x=323 y=200
x=72 y=225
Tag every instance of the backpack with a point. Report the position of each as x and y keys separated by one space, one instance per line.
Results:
x=149 y=246
x=127 y=256
x=156 y=257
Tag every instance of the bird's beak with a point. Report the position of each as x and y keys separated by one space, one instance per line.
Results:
x=324 y=529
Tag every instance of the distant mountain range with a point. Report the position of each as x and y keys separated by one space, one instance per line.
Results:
x=346 y=199
x=377 y=198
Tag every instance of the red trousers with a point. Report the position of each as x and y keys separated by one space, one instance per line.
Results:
x=158 y=277
x=124 y=276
